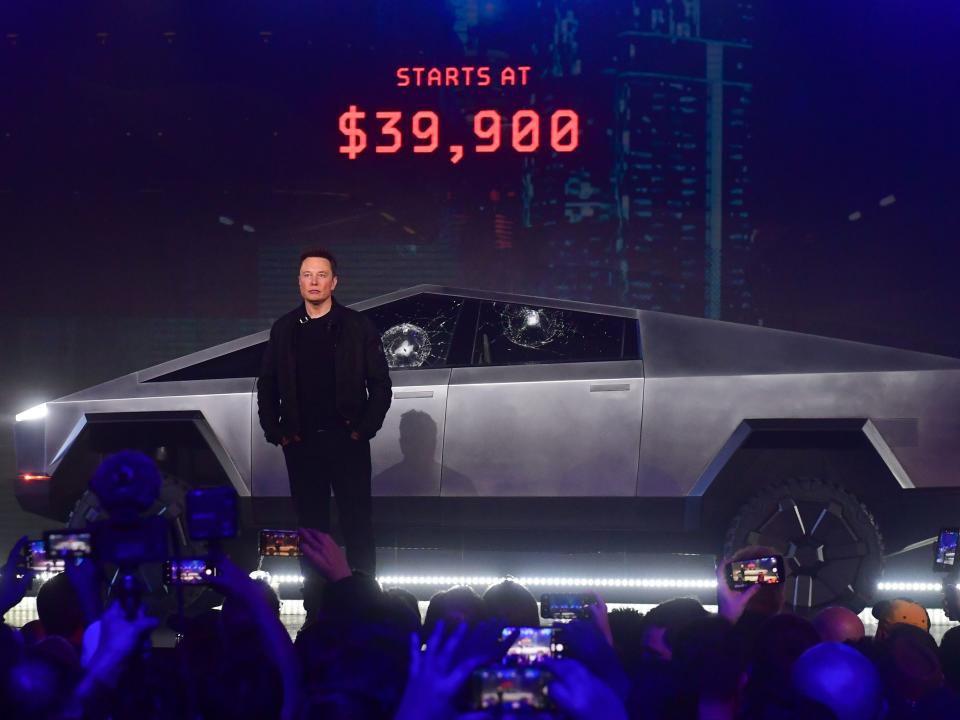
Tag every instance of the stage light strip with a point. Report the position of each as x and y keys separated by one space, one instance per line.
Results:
x=909 y=587
x=545 y=581
x=575 y=582
x=533 y=581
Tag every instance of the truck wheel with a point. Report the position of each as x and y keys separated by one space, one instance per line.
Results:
x=830 y=543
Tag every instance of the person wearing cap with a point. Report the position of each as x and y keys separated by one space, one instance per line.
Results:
x=900 y=610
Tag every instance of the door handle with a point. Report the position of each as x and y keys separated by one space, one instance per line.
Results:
x=409 y=394
x=610 y=387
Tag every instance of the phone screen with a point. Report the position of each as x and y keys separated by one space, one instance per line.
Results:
x=280 y=543
x=755 y=571
x=35 y=558
x=532 y=645
x=564 y=606
x=946 y=553
x=63 y=544
x=513 y=688
x=194 y=571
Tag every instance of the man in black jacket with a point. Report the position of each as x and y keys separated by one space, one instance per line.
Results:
x=323 y=393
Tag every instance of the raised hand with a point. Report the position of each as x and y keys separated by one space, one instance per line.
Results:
x=598 y=613
x=731 y=603
x=581 y=695
x=14 y=581
x=324 y=554
x=436 y=675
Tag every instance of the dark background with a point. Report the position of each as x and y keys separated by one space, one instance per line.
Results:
x=163 y=163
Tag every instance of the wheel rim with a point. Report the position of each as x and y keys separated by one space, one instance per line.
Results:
x=825 y=556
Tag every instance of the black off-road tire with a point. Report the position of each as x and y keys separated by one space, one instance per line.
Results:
x=829 y=540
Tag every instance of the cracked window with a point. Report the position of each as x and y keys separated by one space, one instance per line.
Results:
x=515 y=333
x=416 y=332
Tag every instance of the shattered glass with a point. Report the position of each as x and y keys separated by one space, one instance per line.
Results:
x=416 y=332
x=514 y=333
x=531 y=327
x=406 y=345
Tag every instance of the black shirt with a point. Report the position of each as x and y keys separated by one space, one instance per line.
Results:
x=316 y=379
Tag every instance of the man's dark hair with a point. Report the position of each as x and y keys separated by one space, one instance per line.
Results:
x=320 y=253
x=512 y=603
x=58 y=607
x=460 y=602
x=627 y=628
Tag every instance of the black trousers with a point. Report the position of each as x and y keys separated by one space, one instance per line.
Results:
x=322 y=461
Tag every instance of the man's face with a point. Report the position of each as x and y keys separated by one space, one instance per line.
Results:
x=317 y=280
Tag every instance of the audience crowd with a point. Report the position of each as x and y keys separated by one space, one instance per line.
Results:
x=363 y=653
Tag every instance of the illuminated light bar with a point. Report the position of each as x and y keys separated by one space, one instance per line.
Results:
x=27 y=477
x=909 y=587
x=563 y=582
x=37 y=412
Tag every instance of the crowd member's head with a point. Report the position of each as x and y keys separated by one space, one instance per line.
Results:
x=838 y=624
x=769 y=598
x=840 y=678
x=901 y=611
x=236 y=616
x=511 y=604
x=709 y=660
x=459 y=604
x=663 y=622
x=780 y=640
x=627 y=628
x=909 y=664
x=402 y=610
x=59 y=609
x=407 y=599
x=950 y=658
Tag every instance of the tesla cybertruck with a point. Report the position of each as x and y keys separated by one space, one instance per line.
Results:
x=523 y=422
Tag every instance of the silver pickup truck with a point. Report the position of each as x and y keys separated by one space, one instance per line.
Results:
x=547 y=424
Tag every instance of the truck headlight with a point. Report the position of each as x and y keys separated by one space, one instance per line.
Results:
x=37 y=412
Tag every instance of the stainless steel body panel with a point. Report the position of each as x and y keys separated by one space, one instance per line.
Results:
x=225 y=426
x=710 y=409
x=407 y=453
x=543 y=431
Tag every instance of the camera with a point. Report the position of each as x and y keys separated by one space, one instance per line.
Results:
x=188 y=571
x=566 y=606
x=532 y=644
x=743 y=574
x=511 y=688
x=35 y=558
x=67 y=544
x=945 y=552
x=280 y=543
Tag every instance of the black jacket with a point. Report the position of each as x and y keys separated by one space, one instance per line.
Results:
x=363 y=386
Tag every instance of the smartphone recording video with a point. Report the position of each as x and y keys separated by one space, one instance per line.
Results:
x=67 y=544
x=280 y=543
x=566 y=606
x=511 y=688
x=188 y=571
x=742 y=574
x=532 y=645
x=35 y=558
x=945 y=557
